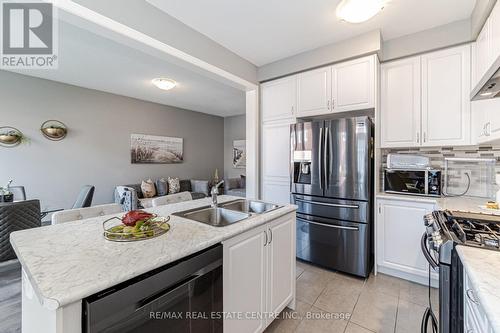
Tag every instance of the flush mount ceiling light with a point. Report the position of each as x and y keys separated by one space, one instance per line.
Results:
x=357 y=11
x=163 y=83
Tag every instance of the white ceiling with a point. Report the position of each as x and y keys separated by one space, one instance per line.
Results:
x=263 y=31
x=91 y=61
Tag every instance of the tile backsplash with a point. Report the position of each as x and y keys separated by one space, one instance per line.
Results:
x=482 y=174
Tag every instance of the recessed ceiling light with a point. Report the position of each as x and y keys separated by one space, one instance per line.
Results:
x=357 y=11
x=163 y=83
x=488 y=93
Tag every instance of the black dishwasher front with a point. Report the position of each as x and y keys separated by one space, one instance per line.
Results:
x=184 y=296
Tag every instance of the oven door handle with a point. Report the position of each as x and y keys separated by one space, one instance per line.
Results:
x=427 y=254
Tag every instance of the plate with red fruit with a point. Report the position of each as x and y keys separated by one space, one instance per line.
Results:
x=135 y=225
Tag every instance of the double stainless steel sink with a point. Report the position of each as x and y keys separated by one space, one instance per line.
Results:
x=227 y=213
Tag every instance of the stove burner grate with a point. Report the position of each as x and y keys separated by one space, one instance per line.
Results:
x=475 y=232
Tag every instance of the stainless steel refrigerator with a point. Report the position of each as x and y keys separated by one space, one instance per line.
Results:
x=332 y=185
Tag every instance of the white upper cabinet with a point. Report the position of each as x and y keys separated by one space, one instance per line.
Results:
x=487 y=48
x=482 y=52
x=445 y=97
x=486 y=120
x=353 y=85
x=495 y=32
x=279 y=99
x=346 y=86
x=400 y=102
x=416 y=106
x=314 y=92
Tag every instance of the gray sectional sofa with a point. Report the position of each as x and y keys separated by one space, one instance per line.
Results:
x=236 y=186
x=130 y=195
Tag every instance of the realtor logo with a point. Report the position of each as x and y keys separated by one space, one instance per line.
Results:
x=28 y=35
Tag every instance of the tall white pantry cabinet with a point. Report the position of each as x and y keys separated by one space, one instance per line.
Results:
x=278 y=105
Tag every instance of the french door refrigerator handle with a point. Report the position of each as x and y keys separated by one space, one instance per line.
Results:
x=325 y=157
x=320 y=158
x=328 y=204
x=331 y=225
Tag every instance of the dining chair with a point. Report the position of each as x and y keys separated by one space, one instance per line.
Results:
x=85 y=213
x=83 y=200
x=16 y=216
x=85 y=197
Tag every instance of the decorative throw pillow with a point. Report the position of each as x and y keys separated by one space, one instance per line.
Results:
x=148 y=188
x=137 y=188
x=161 y=187
x=200 y=186
x=243 y=181
x=174 y=185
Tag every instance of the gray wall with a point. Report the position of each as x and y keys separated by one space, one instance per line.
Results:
x=443 y=36
x=97 y=148
x=364 y=44
x=234 y=129
x=481 y=11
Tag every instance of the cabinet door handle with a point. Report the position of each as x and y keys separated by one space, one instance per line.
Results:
x=418 y=137
x=425 y=137
x=470 y=296
x=265 y=243
x=333 y=103
x=488 y=129
x=328 y=104
x=271 y=236
x=292 y=109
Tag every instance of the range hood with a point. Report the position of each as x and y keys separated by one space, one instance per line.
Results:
x=489 y=85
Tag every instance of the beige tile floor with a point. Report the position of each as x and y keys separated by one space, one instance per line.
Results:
x=334 y=302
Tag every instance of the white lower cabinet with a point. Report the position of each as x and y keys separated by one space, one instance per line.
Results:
x=475 y=320
x=259 y=275
x=400 y=226
x=281 y=263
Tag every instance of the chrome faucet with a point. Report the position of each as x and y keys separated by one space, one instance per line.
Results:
x=214 y=192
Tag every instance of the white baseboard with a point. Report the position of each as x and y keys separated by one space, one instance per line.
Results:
x=407 y=276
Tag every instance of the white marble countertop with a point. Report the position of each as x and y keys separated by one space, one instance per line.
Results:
x=70 y=261
x=482 y=267
x=404 y=197
x=466 y=204
x=463 y=204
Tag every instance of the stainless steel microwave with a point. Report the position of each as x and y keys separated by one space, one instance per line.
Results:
x=425 y=182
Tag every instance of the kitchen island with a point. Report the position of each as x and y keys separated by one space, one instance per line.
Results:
x=62 y=264
x=481 y=294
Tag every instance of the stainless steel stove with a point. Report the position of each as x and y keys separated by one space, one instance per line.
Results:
x=445 y=230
